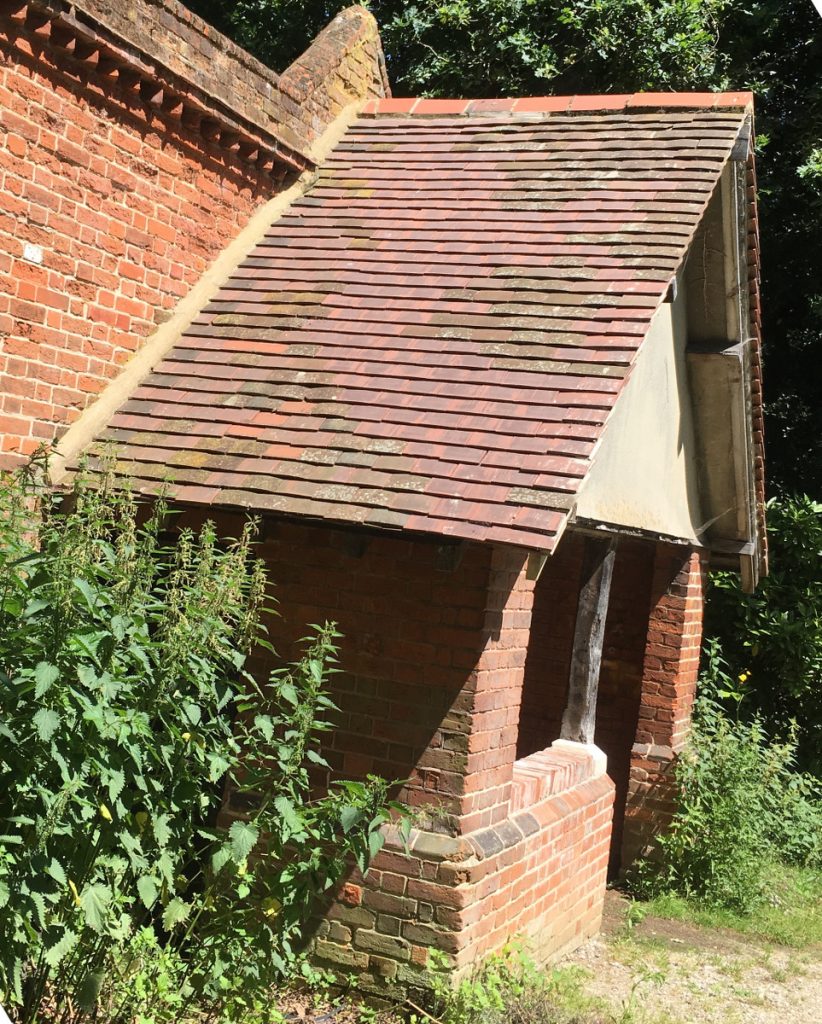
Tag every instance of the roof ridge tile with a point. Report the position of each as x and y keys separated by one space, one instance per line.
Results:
x=612 y=102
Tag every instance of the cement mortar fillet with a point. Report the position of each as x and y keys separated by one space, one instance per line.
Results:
x=597 y=758
x=95 y=418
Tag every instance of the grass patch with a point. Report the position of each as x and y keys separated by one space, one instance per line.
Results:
x=791 y=914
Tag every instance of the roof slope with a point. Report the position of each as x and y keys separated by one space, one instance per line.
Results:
x=433 y=337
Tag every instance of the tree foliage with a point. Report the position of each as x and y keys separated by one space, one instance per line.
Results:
x=126 y=715
x=774 y=636
x=504 y=47
x=775 y=48
x=741 y=807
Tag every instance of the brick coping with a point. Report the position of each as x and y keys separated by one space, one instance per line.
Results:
x=555 y=770
x=546 y=785
x=629 y=103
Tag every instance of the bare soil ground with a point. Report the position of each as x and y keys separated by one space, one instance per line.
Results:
x=669 y=972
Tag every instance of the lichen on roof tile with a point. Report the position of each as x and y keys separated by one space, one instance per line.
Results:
x=433 y=337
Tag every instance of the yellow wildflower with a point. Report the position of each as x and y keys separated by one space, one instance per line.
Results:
x=272 y=906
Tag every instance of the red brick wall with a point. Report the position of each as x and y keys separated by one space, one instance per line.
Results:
x=412 y=620
x=128 y=212
x=432 y=659
x=671 y=665
x=434 y=645
x=670 y=672
x=539 y=874
x=111 y=209
x=495 y=692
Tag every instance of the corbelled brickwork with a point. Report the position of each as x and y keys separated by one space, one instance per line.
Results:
x=114 y=196
x=670 y=673
x=182 y=64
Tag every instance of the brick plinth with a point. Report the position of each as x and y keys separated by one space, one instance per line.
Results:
x=539 y=874
x=669 y=679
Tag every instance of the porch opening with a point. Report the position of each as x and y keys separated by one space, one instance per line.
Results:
x=547 y=668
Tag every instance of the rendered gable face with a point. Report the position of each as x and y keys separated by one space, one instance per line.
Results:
x=645 y=472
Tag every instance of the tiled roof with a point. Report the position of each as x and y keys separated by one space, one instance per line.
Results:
x=432 y=338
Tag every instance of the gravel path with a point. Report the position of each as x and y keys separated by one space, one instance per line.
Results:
x=672 y=972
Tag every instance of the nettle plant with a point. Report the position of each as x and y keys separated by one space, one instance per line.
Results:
x=129 y=889
x=742 y=805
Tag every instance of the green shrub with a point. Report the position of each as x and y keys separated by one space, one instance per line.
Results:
x=741 y=806
x=509 y=988
x=126 y=715
x=775 y=634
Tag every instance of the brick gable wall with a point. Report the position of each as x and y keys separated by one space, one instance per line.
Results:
x=117 y=192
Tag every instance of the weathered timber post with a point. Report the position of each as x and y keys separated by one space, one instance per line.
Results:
x=579 y=718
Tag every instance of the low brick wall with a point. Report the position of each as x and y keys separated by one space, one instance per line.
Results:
x=539 y=874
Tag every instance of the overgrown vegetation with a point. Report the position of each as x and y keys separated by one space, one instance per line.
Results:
x=126 y=716
x=750 y=780
x=789 y=915
x=774 y=636
x=510 y=988
x=742 y=806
